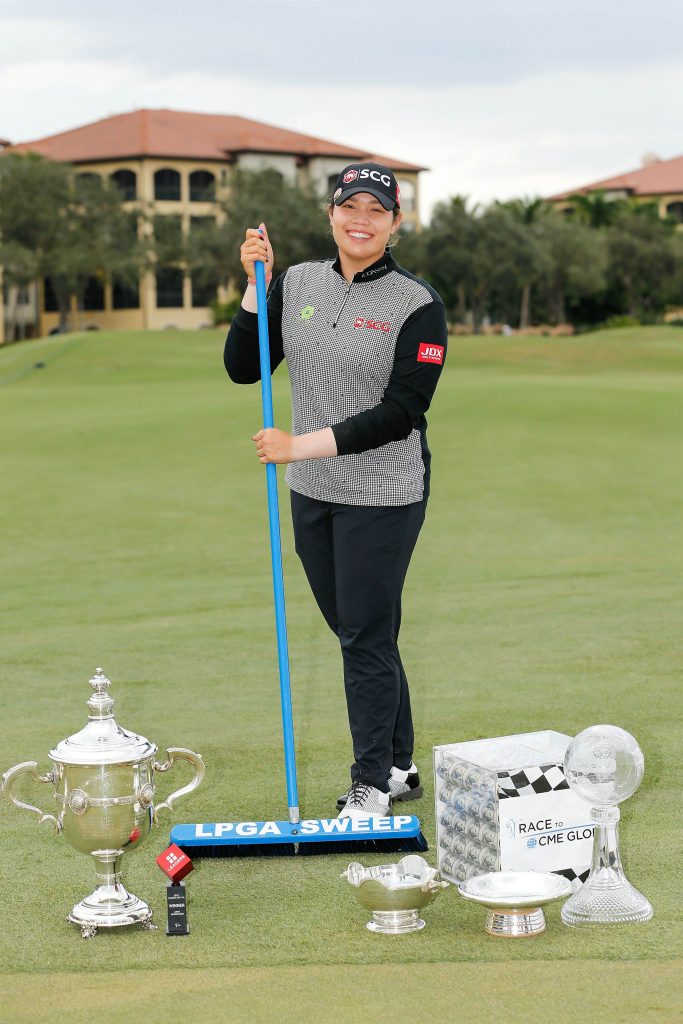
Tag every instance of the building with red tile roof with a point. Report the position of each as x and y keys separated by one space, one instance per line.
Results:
x=179 y=164
x=182 y=135
x=655 y=180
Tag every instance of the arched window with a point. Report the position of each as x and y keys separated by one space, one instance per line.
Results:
x=675 y=210
x=167 y=184
x=126 y=182
x=169 y=288
x=202 y=187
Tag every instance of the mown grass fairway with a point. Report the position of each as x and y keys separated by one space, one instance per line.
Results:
x=546 y=592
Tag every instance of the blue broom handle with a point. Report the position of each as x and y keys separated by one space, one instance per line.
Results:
x=276 y=549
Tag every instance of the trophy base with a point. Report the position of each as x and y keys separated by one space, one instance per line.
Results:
x=514 y=900
x=395 y=922
x=110 y=906
x=515 y=924
x=606 y=898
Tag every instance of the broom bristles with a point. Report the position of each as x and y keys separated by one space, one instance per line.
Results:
x=400 y=834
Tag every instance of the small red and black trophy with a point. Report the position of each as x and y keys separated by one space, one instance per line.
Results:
x=176 y=864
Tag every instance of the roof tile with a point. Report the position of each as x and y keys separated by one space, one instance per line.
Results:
x=183 y=135
x=660 y=177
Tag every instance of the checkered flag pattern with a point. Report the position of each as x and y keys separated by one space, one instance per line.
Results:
x=574 y=876
x=544 y=778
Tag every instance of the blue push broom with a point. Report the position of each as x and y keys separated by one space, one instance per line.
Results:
x=400 y=833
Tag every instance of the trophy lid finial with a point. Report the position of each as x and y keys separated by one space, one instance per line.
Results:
x=100 y=702
x=102 y=740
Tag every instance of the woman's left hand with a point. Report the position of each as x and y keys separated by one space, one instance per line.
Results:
x=273 y=445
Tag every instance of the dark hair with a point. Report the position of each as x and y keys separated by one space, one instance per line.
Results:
x=331 y=205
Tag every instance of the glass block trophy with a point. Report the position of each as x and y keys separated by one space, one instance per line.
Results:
x=604 y=765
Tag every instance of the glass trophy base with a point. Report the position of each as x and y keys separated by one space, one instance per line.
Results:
x=395 y=922
x=110 y=906
x=514 y=924
x=606 y=897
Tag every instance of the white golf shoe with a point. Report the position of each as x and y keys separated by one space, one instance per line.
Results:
x=363 y=801
x=403 y=785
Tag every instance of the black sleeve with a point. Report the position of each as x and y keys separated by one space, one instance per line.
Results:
x=241 y=355
x=418 y=361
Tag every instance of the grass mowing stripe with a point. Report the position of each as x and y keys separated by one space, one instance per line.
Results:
x=630 y=993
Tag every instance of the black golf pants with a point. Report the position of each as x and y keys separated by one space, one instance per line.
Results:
x=356 y=558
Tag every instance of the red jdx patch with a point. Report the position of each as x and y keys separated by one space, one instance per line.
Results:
x=428 y=353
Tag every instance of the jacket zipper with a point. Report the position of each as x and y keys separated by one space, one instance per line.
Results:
x=339 y=311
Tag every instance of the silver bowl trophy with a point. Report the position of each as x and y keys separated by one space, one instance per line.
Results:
x=103 y=779
x=395 y=893
x=604 y=765
x=515 y=899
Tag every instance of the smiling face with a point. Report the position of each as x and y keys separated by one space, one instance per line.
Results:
x=361 y=227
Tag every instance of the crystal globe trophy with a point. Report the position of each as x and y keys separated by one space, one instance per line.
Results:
x=604 y=765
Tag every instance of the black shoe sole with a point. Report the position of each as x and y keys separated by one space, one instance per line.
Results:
x=412 y=794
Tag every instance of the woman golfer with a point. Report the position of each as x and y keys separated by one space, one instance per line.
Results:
x=365 y=343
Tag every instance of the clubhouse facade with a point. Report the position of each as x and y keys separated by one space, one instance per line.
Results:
x=179 y=165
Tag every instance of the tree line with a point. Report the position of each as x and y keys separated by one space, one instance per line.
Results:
x=55 y=224
x=519 y=262
x=524 y=262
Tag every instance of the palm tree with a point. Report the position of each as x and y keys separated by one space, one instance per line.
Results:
x=528 y=212
x=595 y=209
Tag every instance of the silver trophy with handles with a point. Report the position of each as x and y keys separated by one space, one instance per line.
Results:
x=103 y=780
x=395 y=893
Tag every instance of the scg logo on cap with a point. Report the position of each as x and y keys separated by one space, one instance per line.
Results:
x=377 y=179
x=375 y=175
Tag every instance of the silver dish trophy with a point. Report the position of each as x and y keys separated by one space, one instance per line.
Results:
x=515 y=900
x=104 y=785
x=604 y=765
x=395 y=893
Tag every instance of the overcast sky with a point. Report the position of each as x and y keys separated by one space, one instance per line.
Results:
x=498 y=98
